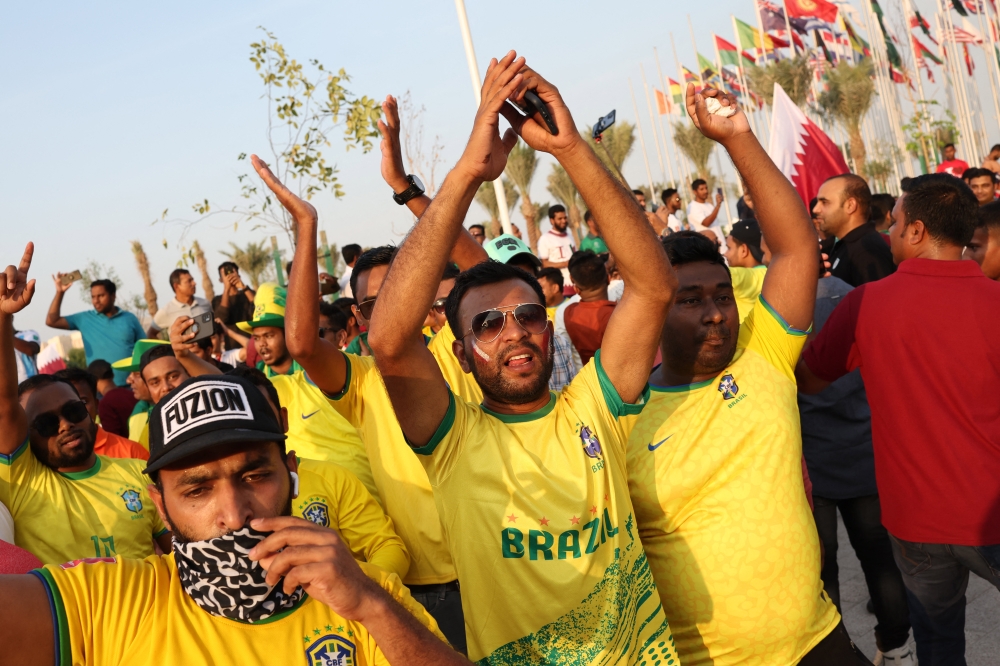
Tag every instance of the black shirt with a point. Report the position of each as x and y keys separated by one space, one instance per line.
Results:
x=240 y=309
x=861 y=256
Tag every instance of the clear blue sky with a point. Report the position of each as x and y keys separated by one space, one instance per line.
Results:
x=114 y=111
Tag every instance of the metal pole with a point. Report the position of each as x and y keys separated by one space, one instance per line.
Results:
x=477 y=83
x=788 y=28
x=991 y=63
x=670 y=129
x=642 y=141
x=652 y=124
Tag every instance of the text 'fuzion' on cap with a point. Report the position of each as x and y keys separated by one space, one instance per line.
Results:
x=206 y=412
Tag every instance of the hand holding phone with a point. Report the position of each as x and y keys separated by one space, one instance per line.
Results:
x=532 y=104
x=67 y=279
x=604 y=124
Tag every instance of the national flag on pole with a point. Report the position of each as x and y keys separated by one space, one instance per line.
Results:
x=858 y=44
x=663 y=104
x=924 y=52
x=728 y=54
x=676 y=93
x=49 y=361
x=690 y=77
x=969 y=65
x=821 y=9
x=890 y=47
x=707 y=68
x=749 y=35
x=772 y=17
x=800 y=149
x=965 y=34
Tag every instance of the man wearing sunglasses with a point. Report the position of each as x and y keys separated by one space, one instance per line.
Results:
x=67 y=502
x=531 y=485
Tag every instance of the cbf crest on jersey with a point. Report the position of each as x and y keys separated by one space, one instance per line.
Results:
x=316 y=512
x=591 y=445
x=331 y=650
x=728 y=387
x=133 y=501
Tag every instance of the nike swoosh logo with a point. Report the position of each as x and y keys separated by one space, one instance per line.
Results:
x=305 y=416
x=653 y=447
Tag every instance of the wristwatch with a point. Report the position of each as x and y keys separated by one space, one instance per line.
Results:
x=415 y=189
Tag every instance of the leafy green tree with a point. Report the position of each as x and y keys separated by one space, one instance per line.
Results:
x=95 y=270
x=927 y=133
x=305 y=105
x=254 y=260
x=487 y=198
x=618 y=140
x=521 y=166
x=77 y=358
x=849 y=94
x=794 y=75
x=696 y=146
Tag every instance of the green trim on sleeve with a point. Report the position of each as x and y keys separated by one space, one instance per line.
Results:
x=157 y=535
x=446 y=425
x=780 y=320
x=347 y=381
x=85 y=474
x=60 y=627
x=524 y=418
x=8 y=459
x=683 y=387
x=616 y=405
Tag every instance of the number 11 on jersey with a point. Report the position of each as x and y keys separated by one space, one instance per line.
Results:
x=107 y=542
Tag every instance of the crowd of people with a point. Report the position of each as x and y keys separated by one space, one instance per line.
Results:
x=626 y=445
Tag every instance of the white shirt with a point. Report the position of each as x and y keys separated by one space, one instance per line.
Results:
x=674 y=224
x=27 y=365
x=699 y=211
x=166 y=316
x=345 y=283
x=557 y=248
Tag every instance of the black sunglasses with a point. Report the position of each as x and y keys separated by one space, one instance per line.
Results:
x=487 y=326
x=438 y=305
x=365 y=307
x=47 y=425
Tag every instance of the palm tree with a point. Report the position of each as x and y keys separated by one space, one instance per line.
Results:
x=695 y=145
x=793 y=74
x=206 y=277
x=848 y=97
x=563 y=189
x=254 y=260
x=618 y=140
x=143 y=263
x=487 y=198
x=521 y=165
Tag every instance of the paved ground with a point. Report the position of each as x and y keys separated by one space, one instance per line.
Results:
x=982 y=614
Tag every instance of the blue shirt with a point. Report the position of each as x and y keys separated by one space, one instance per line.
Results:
x=108 y=338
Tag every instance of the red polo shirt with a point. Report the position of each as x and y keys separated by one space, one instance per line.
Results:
x=927 y=340
x=586 y=323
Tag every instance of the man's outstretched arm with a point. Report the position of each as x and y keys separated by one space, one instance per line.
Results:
x=790 y=284
x=26 y=632
x=15 y=295
x=416 y=387
x=54 y=318
x=633 y=333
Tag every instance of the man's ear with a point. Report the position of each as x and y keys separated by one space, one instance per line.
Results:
x=915 y=232
x=458 y=349
x=850 y=205
x=292 y=462
x=341 y=337
x=157 y=497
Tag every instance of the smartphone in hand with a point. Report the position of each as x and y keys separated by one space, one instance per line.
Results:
x=70 y=278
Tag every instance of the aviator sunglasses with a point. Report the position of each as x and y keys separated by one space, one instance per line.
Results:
x=487 y=326
x=47 y=425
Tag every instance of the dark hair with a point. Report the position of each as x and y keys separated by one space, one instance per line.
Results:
x=587 y=216
x=696 y=183
x=988 y=216
x=639 y=192
x=944 y=204
x=344 y=304
x=812 y=205
x=41 y=381
x=881 y=205
x=350 y=252
x=587 y=270
x=101 y=369
x=688 y=247
x=558 y=208
x=175 y=277
x=667 y=193
x=78 y=375
x=947 y=145
x=377 y=256
x=488 y=272
x=451 y=271
x=553 y=275
x=228 y=264
x=152 y=354
x=995 y=146
x=977 y=172
x=336 y=316
x=478 y=226
x=856 y=187
x=258 y=379
x=108 y=285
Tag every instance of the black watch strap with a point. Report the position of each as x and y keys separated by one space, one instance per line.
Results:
x=412 y=192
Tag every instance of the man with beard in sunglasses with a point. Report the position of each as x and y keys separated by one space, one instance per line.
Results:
x=67 y=502
x=244 y=582
x=714 y=462
x=531 y=485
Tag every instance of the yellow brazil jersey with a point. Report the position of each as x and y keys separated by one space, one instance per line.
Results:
x=125 y=612
x=331 y=496
x=716 y=479
x=401 y=480
x=100 y=512
x=541 y=528
x=747 y=283
x=138 y=428
x=461 y=382
x=317 y=431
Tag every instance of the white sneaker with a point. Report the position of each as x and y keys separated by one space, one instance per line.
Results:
x=901 y=656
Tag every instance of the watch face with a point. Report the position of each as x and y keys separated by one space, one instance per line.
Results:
x=416 y=181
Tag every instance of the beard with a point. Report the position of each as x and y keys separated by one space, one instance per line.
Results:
x=60 y=459
x=498 y=388
x=696 y=359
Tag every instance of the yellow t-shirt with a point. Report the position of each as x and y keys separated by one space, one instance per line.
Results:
x=716 y=479
x=331 y=496
x=461 y=382
x=401 y=480
x=540 y=524
x=138 y=428
x=118 y=613
x=747 y=283
x=100 y=512
x=318 y=432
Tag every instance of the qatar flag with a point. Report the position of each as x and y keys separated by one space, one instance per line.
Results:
x=800 y=149
x=49 y=361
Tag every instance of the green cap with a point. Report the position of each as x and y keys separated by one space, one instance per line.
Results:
x=131 y=363
x=506 y=247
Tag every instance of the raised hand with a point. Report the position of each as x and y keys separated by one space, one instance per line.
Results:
x=60 y=287
x=534 y=131
x=16 y=290
x=182 y=334
x=393 y=172
x=715 y=127
x=300 y=209
x=486 y=153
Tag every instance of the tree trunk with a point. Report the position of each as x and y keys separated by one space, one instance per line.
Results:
x=575 y=222
x=206 y=277
x=143 y=263
x=493 y=228
x=858 y=151
x=530 y=213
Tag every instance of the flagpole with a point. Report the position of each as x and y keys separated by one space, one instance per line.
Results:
x=670 y=129
x=652 y=124
x=991 y=68
x=689 y=168
x=766 y=111
x=762 y=34
x=961 y=90
x=907 y=13
x=788 y=28
x=470 y=56
x=642 y=142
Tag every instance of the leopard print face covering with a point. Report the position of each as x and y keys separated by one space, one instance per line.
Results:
x=223 y=581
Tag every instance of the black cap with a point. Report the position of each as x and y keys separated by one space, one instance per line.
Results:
x=153 y=353
x=205 y=412
x=747 y=232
